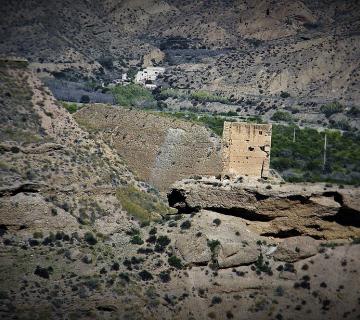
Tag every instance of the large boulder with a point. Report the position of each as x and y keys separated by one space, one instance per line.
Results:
x=296 y=248
x=237 y=254
x=192 y=249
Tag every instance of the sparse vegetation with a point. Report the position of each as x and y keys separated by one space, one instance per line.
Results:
x=262 y=266
x=140 y=204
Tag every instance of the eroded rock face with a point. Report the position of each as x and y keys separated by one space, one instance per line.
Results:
x=283 y=209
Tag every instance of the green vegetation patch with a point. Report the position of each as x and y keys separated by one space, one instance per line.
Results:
x=200 y=96
x=282 y=116
x=303 y=159
x=132 y=95
x=71 y=107
x=139 y=204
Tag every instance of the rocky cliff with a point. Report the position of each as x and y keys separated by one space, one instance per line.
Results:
x=277 y=210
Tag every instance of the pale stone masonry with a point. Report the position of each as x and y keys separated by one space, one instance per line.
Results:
x=246 y=149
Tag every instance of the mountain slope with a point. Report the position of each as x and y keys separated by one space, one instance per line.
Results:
x=308 y=49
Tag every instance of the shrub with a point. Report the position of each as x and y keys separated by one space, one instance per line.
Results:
x=124 y=276
x=216 y=300
x=38 y=235
x=92 y=283
x=43 y=272
x=33 y=242
x=90 y=238
x=161 y=243
x=85 y=99
x=213 y=245
x=145 y=275
x=185 y=225
x=284 y=94
x=175 y=262
x=136 y=239
x=153 y=230
x=354 y=111
x=107 y=62
x=164 y=276
x=133 y=232
x=261 y=265
x=71 y=107
x=331 y=108
x=279 y=291
x=217 y=221
x=282 y=116
x=173 y=93
x=151 y=239
x=115 y=266
x=341 y=125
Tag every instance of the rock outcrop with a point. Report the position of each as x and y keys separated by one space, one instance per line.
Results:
x=279 y=210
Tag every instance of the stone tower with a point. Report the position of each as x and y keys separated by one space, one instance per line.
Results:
x=246 y=149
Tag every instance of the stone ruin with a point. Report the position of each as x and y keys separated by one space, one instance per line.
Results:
x=246 y=149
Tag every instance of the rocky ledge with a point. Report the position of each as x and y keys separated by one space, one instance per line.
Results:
x=279 y=210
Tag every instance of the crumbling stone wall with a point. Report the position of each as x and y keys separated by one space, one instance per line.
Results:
x=246 y=149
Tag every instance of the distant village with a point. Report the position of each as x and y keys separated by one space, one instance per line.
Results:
x=147 y=77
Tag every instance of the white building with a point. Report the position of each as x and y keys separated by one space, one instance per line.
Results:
x=147 y=76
